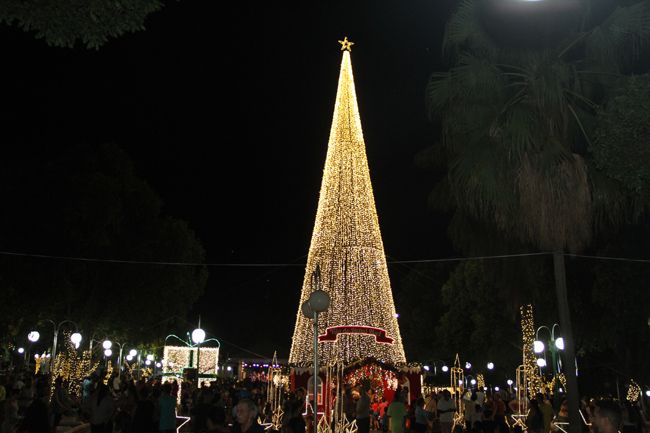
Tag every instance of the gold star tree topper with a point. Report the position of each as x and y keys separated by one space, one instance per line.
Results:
x=346 y=45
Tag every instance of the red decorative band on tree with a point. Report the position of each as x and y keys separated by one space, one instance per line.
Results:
x=332 y=333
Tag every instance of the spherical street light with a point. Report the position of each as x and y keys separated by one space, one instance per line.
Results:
x=108 y=353
x=158 y=364
x=198 y=336
x=150 y=357
x=129 y=358
x=541 y=362
x=76 y=339
x=33 y=336
x=473 y=381
x=107 y=344
x=509 y=382
x=147 y=362
x=426 y=368
x=647 y=393
x=319 y=301
x=496 y=388
x=468 y=365
x=559 y=343
x=490 y=365
x=538 y=346
x=133 y=353
x=21 y=350
x=445 y=368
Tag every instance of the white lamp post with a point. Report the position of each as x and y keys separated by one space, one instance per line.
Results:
x=318 y=302
x=198 y=337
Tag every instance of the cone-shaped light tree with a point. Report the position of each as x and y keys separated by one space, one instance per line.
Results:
x=347 y=248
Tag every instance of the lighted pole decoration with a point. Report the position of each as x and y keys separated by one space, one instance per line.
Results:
x=346 y=244
x=318 y=302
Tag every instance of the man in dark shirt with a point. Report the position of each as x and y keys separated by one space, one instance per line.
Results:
x=246 y=417
x=363 y=410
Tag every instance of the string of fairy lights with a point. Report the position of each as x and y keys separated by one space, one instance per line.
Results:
x=347 y=246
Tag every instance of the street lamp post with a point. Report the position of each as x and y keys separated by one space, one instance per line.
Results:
x=76 y=337
x=198 y=337
x=554 y=344
x=318 y=302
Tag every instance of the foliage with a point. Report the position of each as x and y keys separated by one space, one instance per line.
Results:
x=89 y=203
x=63 y=23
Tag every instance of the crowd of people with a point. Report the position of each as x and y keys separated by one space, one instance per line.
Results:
x=121 y=404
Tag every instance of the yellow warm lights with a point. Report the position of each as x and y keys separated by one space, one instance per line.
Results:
x=346 y=45
x=346 y=243
x=532 y=377
x=178 y=357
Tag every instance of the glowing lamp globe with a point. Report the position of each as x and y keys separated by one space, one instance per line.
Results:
x=559 y=343
x=33 y=336
x=496 y=388
x=445 y=368
x=133 y=352
x=21 y=350
x=647 y=393
x=108 y=352
x=107 y=344
x=541 y=362
x=158 y=364
x=147 y=362
x=509 y=382
x=129 y=358
x=426 y=368
x=149 y=357
x=468 y=365
x=473 y=381
x=538 y=346
x=76 y=339
x=319 y=301
x=198 y=336
x=229 y=368
x=490 y=365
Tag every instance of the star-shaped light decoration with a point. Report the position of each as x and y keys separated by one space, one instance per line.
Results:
x=346 y=45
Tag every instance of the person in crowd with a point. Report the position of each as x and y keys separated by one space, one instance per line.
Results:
x=143 y=416
x=446 y=409
x=215 y=421
x=362 y=409
x=102 y=409
x=500 y=414
x=37 y=416
x=166 y=410
x=61 y=402
x=535 y=418
x=546 y=409
x=246 y=417
x=431 y=407
x=421 y=417
x=607 y=417
x=10 y=418
x=396 y=413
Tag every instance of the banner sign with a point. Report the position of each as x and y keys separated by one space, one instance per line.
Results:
x=332 y=333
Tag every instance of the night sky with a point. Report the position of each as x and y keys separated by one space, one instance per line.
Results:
x=225 y=110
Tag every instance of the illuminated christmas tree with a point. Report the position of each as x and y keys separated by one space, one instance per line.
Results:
x=347 y=247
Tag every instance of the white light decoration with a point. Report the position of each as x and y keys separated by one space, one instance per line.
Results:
x=346 y=245
x=426 y=368
x=541 y=362
x=147 y=362
x=468 y=365
x=21 y=350
x=509 y=382
x=559 y=343
x=133 y=353
x=647 y=393
x=445 y=368
x=178 y=357
x=76 y=339
x=538 y=346
x=198 y=336
x=129 y=358
x=158 y=364
x=496 y=388
x=108 y=353
x=473 y=381
x=490 y=365
x=33 y=336
x=229 y=368
x=150 y=357
x=107 y=344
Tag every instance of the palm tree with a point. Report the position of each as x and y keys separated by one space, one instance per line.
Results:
x=516 y=125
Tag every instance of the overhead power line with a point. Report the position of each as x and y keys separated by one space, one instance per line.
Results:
x=278 y=265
